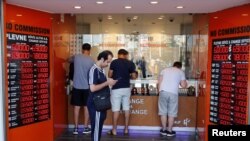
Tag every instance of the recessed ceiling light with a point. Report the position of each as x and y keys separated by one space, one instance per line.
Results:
x=19 y=15
x=244 y=15
x=154 y=2
x=135 y=17
x=99 y=2
x=128 y=7
x=215 y=17
x=77 y=7
x=179 y=7
x=160 y=18
x=110 y=17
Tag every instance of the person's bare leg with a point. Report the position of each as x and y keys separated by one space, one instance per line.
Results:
x=115 y=119
x=126 y=121
x=76 y=115
x=86 y=116
x=163 y=122
x=170 y=123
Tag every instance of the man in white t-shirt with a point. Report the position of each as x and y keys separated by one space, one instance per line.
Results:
x=169 y=81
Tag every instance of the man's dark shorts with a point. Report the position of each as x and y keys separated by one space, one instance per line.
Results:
x=79 y=97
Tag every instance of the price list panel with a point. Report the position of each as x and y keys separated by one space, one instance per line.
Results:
x=28 y=79
x=229 y=81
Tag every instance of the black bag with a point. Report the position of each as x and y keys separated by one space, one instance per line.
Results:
x=102 y=99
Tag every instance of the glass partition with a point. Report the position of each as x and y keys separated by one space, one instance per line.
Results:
x=156 y=50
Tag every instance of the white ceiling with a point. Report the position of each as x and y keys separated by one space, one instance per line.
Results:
x=138 y=6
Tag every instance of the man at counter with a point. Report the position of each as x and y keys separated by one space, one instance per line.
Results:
x=121 y=69
x=169 y=81
x=82 y=64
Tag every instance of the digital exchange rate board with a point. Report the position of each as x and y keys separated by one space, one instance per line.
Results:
x=28 y=79
x=229 y=81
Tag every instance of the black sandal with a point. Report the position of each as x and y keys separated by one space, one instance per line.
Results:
x=126 y=132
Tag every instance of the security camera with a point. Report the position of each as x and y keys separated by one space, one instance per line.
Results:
x=171 y=19
x=128 y=19
x=100 y=19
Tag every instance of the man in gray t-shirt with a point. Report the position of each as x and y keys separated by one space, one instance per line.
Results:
x=82 y=64
x=169 y=81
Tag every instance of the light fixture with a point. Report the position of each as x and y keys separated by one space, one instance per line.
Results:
x=19 y=15
x=244 y=15
x=154 y=2
x=160 y=18
x=99 y=2
x=128 y=7
x=77 y=7
x=62 y=18
x=179 y=7
x=215 y=17
x=110 y=17
x=135 y=17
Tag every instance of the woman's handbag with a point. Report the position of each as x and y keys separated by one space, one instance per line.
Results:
x=102 y=99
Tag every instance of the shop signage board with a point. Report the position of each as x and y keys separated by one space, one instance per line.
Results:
x=28 y=78
x=229 y=80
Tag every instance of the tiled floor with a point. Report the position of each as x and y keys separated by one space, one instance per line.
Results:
x=153 y=136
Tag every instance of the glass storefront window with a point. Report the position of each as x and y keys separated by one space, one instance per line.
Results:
x=157 y=50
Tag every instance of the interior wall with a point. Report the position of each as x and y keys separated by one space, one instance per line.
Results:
x=227 y=18
x=40 y=131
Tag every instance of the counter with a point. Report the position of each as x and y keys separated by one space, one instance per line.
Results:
x=144 y=112
x=144 y=108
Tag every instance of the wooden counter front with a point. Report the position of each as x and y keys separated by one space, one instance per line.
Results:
x=144 y=112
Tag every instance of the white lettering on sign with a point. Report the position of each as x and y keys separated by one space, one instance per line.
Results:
x=186 y=121
x=33 y=41
x=217 y=42
x=245 y=40
x=137 y=101
x=235 y=41
x=17 y=37
x=139 y=112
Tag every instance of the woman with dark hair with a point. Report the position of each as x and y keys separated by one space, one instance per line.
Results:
x=98 y=81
